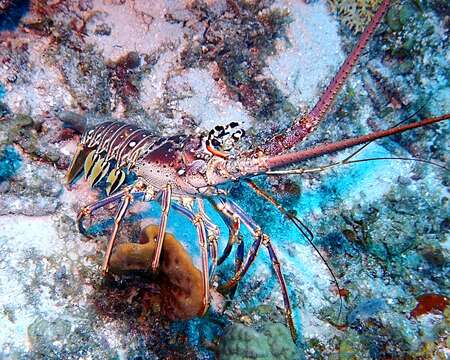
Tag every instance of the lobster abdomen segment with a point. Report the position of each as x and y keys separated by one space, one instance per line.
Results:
x=110 y=144
x=113 y=149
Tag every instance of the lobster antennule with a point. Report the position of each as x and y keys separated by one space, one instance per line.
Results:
x=295 y=157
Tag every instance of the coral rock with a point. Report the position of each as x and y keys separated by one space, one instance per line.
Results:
x=242 y=342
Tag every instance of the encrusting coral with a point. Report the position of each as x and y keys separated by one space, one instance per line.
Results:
x=243 y=342
x=179 y=281
x=356 y=14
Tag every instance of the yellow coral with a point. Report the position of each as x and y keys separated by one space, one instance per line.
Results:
x=356 y=14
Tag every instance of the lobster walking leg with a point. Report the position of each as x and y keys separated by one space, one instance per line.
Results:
x=199 y=223
x=232 y=210
x=201 y=231
x=213 y=249
x=126 y=195
x=87 y=210
x=233 y=223
x=213 y=236
x=260 y=237
x=165 y=202
x=277 y=268
x=117 y=221
x=238 y=261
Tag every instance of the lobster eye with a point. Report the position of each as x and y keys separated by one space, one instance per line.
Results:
x=215 y=142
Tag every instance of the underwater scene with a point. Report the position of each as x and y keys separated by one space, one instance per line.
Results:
x=224 y=179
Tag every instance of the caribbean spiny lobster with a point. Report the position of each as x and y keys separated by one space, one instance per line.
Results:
x=179 y=171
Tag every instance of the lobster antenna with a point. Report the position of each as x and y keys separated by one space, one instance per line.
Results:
x=429 y=162
x=304 y=230
x=398 y=124
x=305 y=125
x=347 y=160
x=302 y=171
x=290 y=158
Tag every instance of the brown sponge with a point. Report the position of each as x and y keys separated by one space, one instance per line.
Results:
x=179 y=281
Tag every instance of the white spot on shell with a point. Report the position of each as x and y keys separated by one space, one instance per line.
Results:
x=132 y=144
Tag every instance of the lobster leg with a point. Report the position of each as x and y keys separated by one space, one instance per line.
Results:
x=199 y=222
x=213 y=236
x=126 y=195
x=117 y=222
x=88 y=210
x=260 y=237
x=239 y=258
x=191 y=216
x=277 y=268
x=233 y=223
x=201 y=231
x=232 y=210
x=238 y=261
x=165 y=202
x=213 y=249
x=233 y=226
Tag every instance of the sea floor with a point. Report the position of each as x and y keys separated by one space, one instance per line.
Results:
x=382 y=226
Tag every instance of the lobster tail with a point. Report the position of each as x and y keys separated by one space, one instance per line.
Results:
x=76 y=166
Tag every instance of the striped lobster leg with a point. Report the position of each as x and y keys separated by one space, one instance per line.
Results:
x=229 y=207
x=165 y=202
x=199 y=222
x=213 y=236
x=126 y=196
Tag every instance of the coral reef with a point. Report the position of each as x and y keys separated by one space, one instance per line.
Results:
x=239 y=68
x=188 y=66
x=241 y=342
x=38 y=137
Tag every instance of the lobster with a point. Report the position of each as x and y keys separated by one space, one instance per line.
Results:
x=183 y=170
